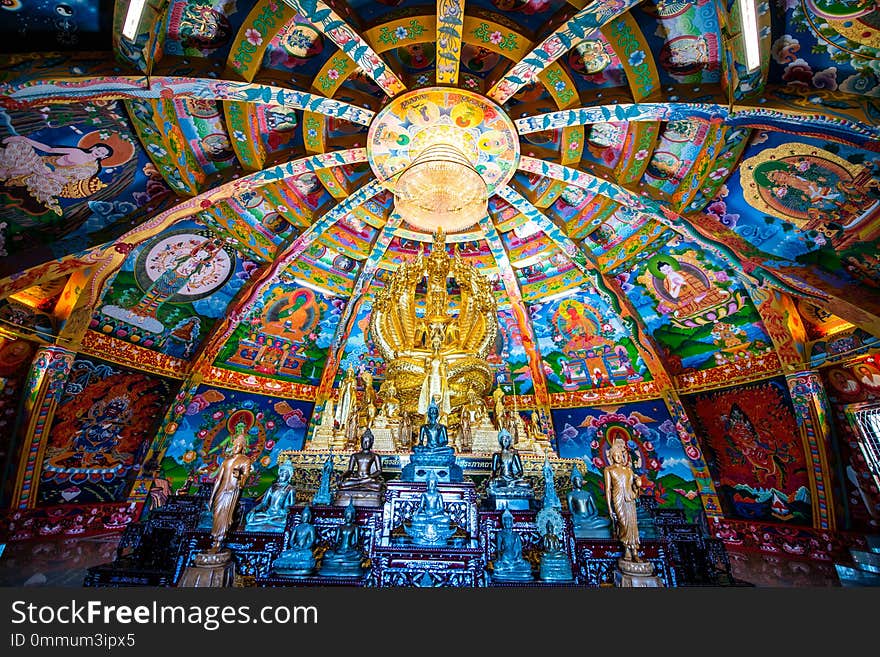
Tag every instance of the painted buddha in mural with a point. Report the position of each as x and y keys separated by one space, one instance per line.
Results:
x=685 y=288
x=435 y=343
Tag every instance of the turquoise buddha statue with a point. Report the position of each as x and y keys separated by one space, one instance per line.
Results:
x=555 y=566
x=433 y=452
x=584 y=513
x=322 y=495
x=430 y=524
x=510 y=566
x=270 y=513
x=344 y=558
x=507 y=488
x=298 y=559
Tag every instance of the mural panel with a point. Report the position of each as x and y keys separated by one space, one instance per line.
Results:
x=698 y=313
x=100 y=433
x=70 y=170
x=285 y=335
x=204 y=432
x=584 y=343
x=171 y=290
x=658 y=455
x=750 y=437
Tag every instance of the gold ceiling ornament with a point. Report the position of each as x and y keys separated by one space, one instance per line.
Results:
x=434 y=345
x=442 y=152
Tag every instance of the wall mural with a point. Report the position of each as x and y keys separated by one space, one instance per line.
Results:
x=809 y=201
x=753 y=448
x=200 y=437
x=171 y=290
x=698 y=313
x=69 y=170
x=285 y=335
x=658 y=455
x=585 y=344
x=838 y=37
x=853 y=384
x=203 y=28
x=360 y=351
x=100 y=433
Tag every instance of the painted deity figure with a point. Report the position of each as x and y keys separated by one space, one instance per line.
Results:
x=181 y=270
x=688 y=290
x=100 y=430
x=62 y=171
x=622 y=490
x=231 y=477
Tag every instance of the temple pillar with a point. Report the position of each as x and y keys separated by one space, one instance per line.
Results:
x=811 y=411
x=43 y=390
x=702 y=476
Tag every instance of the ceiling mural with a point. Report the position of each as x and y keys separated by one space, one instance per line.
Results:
x=219 y=194
x=171 y=291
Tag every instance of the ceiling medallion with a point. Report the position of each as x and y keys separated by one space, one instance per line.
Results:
x=442 y=152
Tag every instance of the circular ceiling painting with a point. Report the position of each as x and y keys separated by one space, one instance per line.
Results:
x=414 y=121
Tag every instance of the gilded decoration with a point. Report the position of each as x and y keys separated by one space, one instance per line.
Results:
x=430 y=350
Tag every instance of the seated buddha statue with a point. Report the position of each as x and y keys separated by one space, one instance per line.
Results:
x=432 y=452
x=298 y=559
x=344 y=558
x=362 y=483
x=389 y=411
x=270 y=513
x=507 y=488
x=555 y=566
x=584 y=513
x=510 y=566
x=430 y=524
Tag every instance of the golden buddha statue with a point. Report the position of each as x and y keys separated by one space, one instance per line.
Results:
x=435 y=346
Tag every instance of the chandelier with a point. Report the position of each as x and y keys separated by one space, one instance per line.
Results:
x=441 y=189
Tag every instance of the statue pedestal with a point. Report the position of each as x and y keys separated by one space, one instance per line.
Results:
x=440 y=461
x=383 y=438
x=515 y=499
x=359 y=498
x=321 y=440
x=602 y=532
x=636 y=574
x=209 y=569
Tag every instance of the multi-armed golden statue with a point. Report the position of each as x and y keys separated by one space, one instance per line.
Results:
x=435 y=344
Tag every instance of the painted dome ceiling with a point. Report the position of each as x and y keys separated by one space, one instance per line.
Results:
x=198 y=201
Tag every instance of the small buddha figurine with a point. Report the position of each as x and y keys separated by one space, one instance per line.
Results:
x=430 y=524
x=270 y=512
x=362 y=483
x=555 y=566
x=498 y=396
x=507 y=487
x=322 y=495
x=510 y=566
x=369 y=400
x=344 y=558
x=299 y=559
x=584 y=512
